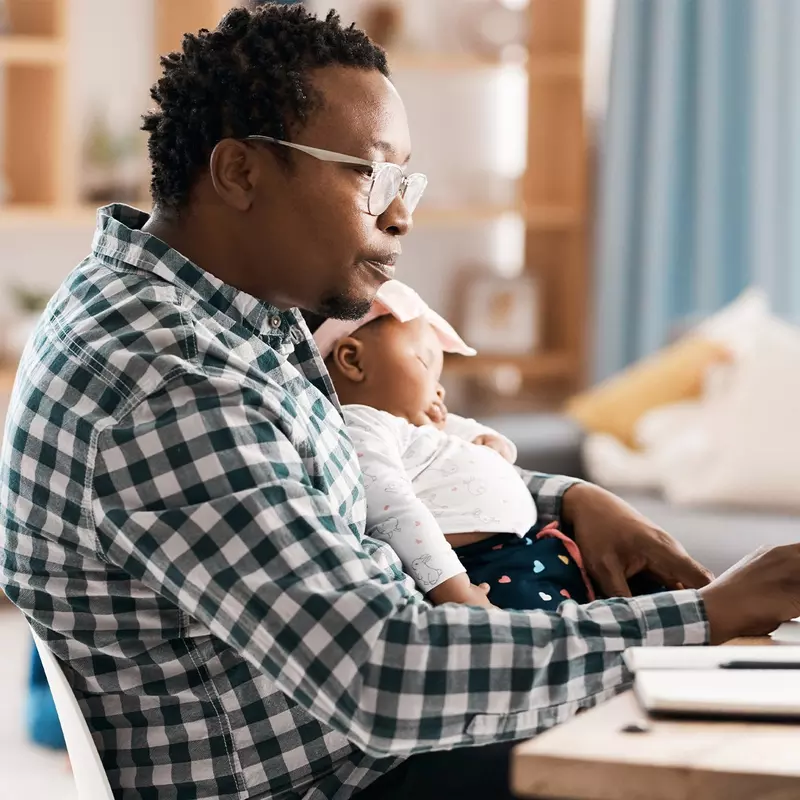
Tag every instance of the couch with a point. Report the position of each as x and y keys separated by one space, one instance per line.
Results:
x=717 y=537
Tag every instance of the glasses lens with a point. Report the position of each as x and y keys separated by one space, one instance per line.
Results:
x=415 y=187
x=385 y=187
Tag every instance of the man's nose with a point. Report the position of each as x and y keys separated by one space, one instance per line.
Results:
x=396 y=220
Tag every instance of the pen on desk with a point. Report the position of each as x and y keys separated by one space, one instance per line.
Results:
x=760 y=665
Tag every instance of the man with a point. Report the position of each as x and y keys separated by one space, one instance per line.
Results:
x=182 y=508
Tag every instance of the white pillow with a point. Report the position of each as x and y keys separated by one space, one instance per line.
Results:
x=734 y=325
x=749 y=450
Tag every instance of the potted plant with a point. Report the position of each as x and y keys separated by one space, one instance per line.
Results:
x=28 y=306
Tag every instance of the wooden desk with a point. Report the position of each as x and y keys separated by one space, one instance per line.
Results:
x=591 y=758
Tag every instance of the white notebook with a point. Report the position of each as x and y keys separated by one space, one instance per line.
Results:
x=697 y=658
x=720 y=693
x=788 y=633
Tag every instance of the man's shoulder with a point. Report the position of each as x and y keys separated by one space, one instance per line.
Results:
x=117 y=332
x=116 y=298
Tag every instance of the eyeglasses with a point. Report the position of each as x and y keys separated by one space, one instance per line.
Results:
x=388 y=180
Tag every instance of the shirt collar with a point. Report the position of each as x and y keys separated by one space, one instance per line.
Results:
x=120 y=241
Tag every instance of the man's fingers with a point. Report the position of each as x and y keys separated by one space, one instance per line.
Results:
x=682 y=572
x=611 y=580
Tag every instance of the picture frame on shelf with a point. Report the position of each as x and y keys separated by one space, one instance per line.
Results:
x=501 y=315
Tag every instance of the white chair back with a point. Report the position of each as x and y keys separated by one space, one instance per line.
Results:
x=87 y=768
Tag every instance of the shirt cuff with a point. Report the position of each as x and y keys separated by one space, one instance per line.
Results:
x=548 y=493
x=673 y=618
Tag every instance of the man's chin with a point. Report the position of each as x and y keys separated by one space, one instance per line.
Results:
x=344 y=307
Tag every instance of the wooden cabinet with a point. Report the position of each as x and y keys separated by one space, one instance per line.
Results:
x=32 y=55
x=551 y=198
x=554 y=207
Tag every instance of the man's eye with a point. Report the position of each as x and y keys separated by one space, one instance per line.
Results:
x=422 y=361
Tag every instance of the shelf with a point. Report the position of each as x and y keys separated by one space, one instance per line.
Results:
x=446 y=62
x=543 y=218
x=552 y=217
x=31 y=215
x=8 y=374
x=31 y=50
x=460 y=217
x=536 y=217
x=549 y=66
x=566 y=66
x=544 y=366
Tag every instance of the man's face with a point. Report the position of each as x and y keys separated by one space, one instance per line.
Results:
x=310 y=222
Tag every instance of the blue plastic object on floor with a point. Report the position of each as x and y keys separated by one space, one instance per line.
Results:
x=43 y=726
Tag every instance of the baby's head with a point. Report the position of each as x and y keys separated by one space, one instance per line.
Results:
x=392 y=358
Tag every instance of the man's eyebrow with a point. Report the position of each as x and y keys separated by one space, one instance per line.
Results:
x=388 y=150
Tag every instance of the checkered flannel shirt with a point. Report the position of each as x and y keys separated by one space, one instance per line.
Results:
x=183 y=522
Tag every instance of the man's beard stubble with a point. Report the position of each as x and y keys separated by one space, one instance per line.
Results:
x=343 y=307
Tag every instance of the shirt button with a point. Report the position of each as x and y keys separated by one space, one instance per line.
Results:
x=275 y=322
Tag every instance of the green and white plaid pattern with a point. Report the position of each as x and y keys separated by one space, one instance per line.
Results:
x=183 y=521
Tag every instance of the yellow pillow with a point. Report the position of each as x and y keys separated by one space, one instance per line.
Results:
x=670 y=376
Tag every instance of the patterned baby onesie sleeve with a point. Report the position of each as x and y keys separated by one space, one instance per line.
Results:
x=469 y=430
x=394 y=512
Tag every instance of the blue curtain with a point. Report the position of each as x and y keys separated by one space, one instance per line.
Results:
x=699 y=191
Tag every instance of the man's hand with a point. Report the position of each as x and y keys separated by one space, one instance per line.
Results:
x=756 y=595
x=496 y=443
x=617 y=542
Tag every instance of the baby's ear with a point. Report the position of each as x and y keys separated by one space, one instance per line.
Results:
x=348 y=355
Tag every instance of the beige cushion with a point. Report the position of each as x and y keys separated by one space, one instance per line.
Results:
x=670 y=376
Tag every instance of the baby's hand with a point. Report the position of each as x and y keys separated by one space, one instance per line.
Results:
x=496 y=443
x=458 y=589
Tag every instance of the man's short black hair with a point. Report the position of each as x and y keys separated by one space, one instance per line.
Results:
x=248 y=76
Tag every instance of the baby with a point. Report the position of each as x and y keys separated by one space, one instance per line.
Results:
x=442 y=490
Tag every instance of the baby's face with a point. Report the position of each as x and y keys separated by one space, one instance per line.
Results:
x=403 y=366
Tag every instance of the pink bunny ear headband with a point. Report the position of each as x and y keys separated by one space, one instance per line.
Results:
x=403 y=303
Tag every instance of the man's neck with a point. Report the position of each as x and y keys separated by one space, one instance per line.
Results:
x=192 y=240
x=204 y=237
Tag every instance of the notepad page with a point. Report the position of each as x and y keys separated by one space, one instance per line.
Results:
x=732 y=692
x=671 y=658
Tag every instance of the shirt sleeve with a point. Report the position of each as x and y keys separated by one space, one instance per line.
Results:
x=470 y=429
x=200 y=494
x=394 y=512
x=548 y=493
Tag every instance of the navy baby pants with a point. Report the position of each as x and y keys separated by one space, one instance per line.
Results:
x=527 y=572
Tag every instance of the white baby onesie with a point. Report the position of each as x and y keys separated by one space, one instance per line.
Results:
x=422 y=483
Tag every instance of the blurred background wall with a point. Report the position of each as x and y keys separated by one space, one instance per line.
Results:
x=467 y=71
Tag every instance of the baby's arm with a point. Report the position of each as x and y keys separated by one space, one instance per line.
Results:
x=397 y=516
x=472 y=431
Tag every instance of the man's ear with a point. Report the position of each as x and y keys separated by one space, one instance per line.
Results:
x=348 y=356
x=234 y=172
